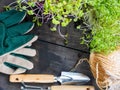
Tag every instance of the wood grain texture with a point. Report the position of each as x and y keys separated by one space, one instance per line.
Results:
x=68 y=87
x=73 y=38
x=32 y=78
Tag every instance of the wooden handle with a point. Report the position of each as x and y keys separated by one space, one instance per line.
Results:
x=31 y=78
x=68 y=87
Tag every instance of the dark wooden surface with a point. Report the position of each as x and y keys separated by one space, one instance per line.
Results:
x=53 y=56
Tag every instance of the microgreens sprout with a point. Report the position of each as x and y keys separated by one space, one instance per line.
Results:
x=102 y=17
x=57 y=11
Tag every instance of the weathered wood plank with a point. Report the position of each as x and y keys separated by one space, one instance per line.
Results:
x=74 y=36
x=51 y=59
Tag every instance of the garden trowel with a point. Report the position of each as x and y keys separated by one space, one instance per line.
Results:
x=65 y=78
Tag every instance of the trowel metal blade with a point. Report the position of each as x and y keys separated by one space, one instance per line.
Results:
x=72 y=78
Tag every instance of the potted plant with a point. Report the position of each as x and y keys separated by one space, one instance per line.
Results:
x=104 y=17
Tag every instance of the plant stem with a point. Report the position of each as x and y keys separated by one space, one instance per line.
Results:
x=59 y=31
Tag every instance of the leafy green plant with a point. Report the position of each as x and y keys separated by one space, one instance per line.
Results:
x=100 y=16
x=60 y=12
x=104 y=17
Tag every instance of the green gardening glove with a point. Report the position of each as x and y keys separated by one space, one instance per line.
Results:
x=12 y=41
x=12 y=32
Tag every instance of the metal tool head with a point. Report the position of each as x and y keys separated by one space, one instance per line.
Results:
x=72 y=78
x=30 y=87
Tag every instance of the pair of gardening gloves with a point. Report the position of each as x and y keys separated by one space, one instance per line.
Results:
x=15 y=43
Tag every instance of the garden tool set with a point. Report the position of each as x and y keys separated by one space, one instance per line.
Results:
x=65 y=78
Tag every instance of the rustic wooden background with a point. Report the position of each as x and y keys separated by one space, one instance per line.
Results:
x=53 y=56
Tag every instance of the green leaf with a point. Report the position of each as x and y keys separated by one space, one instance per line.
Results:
x=53 y=29
x=54 y=21
x=64 y=2
x=30 y=12
x=38 y=23
x=75 y=19
x=80 y=14
x=66 y=42
x=34 y=19
x=32 y=4
x=18 y=1
x=82 y=42
x=24 y=7
x=79 y=26
x=66 y=35
x=60 y=5
x=68 y=7
x=59 y=17
x=7 y=7
x=64 y=24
